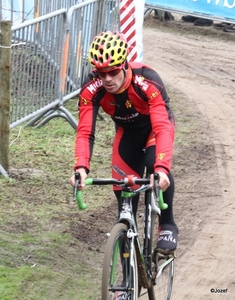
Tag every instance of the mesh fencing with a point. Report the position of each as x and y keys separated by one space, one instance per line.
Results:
x=36 y=59
x=49 y=58
x=85 y=21
x=19 y=11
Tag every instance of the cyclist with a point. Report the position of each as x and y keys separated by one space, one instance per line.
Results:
x=134 y=96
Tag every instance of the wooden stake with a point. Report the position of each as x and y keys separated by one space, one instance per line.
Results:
x=5 y=94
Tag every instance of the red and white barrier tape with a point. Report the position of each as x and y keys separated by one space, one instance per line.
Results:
x=128 y=26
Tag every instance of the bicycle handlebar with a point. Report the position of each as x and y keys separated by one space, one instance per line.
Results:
x=127 y=181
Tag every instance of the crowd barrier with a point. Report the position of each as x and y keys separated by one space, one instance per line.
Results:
x=49 y=59
x=35 y=65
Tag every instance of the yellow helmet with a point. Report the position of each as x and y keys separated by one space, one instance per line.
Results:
x=108 y=49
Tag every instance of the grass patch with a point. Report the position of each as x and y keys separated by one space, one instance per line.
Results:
x=47 y=249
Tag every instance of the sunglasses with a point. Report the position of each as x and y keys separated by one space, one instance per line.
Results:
x=111 y=73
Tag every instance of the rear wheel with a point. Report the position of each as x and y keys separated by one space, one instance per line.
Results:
x=162 y=270
x=120 y=274
x=164 y=276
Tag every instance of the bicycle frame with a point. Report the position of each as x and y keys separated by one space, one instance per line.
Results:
x=126 y=216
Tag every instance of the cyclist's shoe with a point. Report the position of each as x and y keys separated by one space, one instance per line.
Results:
x=167 y=239
x=122 y=296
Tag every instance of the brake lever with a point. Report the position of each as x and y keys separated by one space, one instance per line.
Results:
x=77 y=194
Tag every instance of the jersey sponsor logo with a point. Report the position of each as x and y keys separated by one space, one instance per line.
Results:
x=94 y=86
x=128 y=104
x=127 y=117
x=154 y=95
x=114 y=103
x=140 y=80
x=161 y=155
x=84 y=101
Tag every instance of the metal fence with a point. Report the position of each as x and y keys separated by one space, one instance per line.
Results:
x=85 y=21
x=36 y=59
x=44 y=6
x=19 y=11
x=49 y=59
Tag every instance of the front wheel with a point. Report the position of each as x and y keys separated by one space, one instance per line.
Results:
x=120 y=274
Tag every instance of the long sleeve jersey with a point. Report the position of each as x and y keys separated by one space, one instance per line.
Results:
x=145 y=100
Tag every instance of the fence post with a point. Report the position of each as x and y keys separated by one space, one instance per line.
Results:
x=5 y=95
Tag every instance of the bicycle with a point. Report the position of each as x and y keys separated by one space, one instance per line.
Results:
x=132 y=268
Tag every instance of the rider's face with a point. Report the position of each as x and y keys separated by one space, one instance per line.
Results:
x=112 y=78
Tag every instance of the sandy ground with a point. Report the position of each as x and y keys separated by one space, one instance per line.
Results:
x=201 y=67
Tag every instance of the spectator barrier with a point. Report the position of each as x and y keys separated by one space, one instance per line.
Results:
x=36 y=58
x=49 y=59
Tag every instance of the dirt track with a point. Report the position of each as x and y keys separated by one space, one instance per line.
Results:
x=202 y=69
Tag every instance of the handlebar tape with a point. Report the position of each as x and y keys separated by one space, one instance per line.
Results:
x=161 y=202
x=80 y=203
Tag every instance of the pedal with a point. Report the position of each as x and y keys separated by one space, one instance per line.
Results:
x=166 y=253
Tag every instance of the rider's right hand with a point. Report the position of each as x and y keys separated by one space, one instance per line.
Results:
x=163 y=181
x=83 y=176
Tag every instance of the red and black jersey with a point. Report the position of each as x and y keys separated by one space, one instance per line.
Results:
x=144 y=101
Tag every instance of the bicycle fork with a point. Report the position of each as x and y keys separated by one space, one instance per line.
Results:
x=132 y=235
x=127 y=262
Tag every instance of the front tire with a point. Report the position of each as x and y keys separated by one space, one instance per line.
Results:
x=119 y=269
